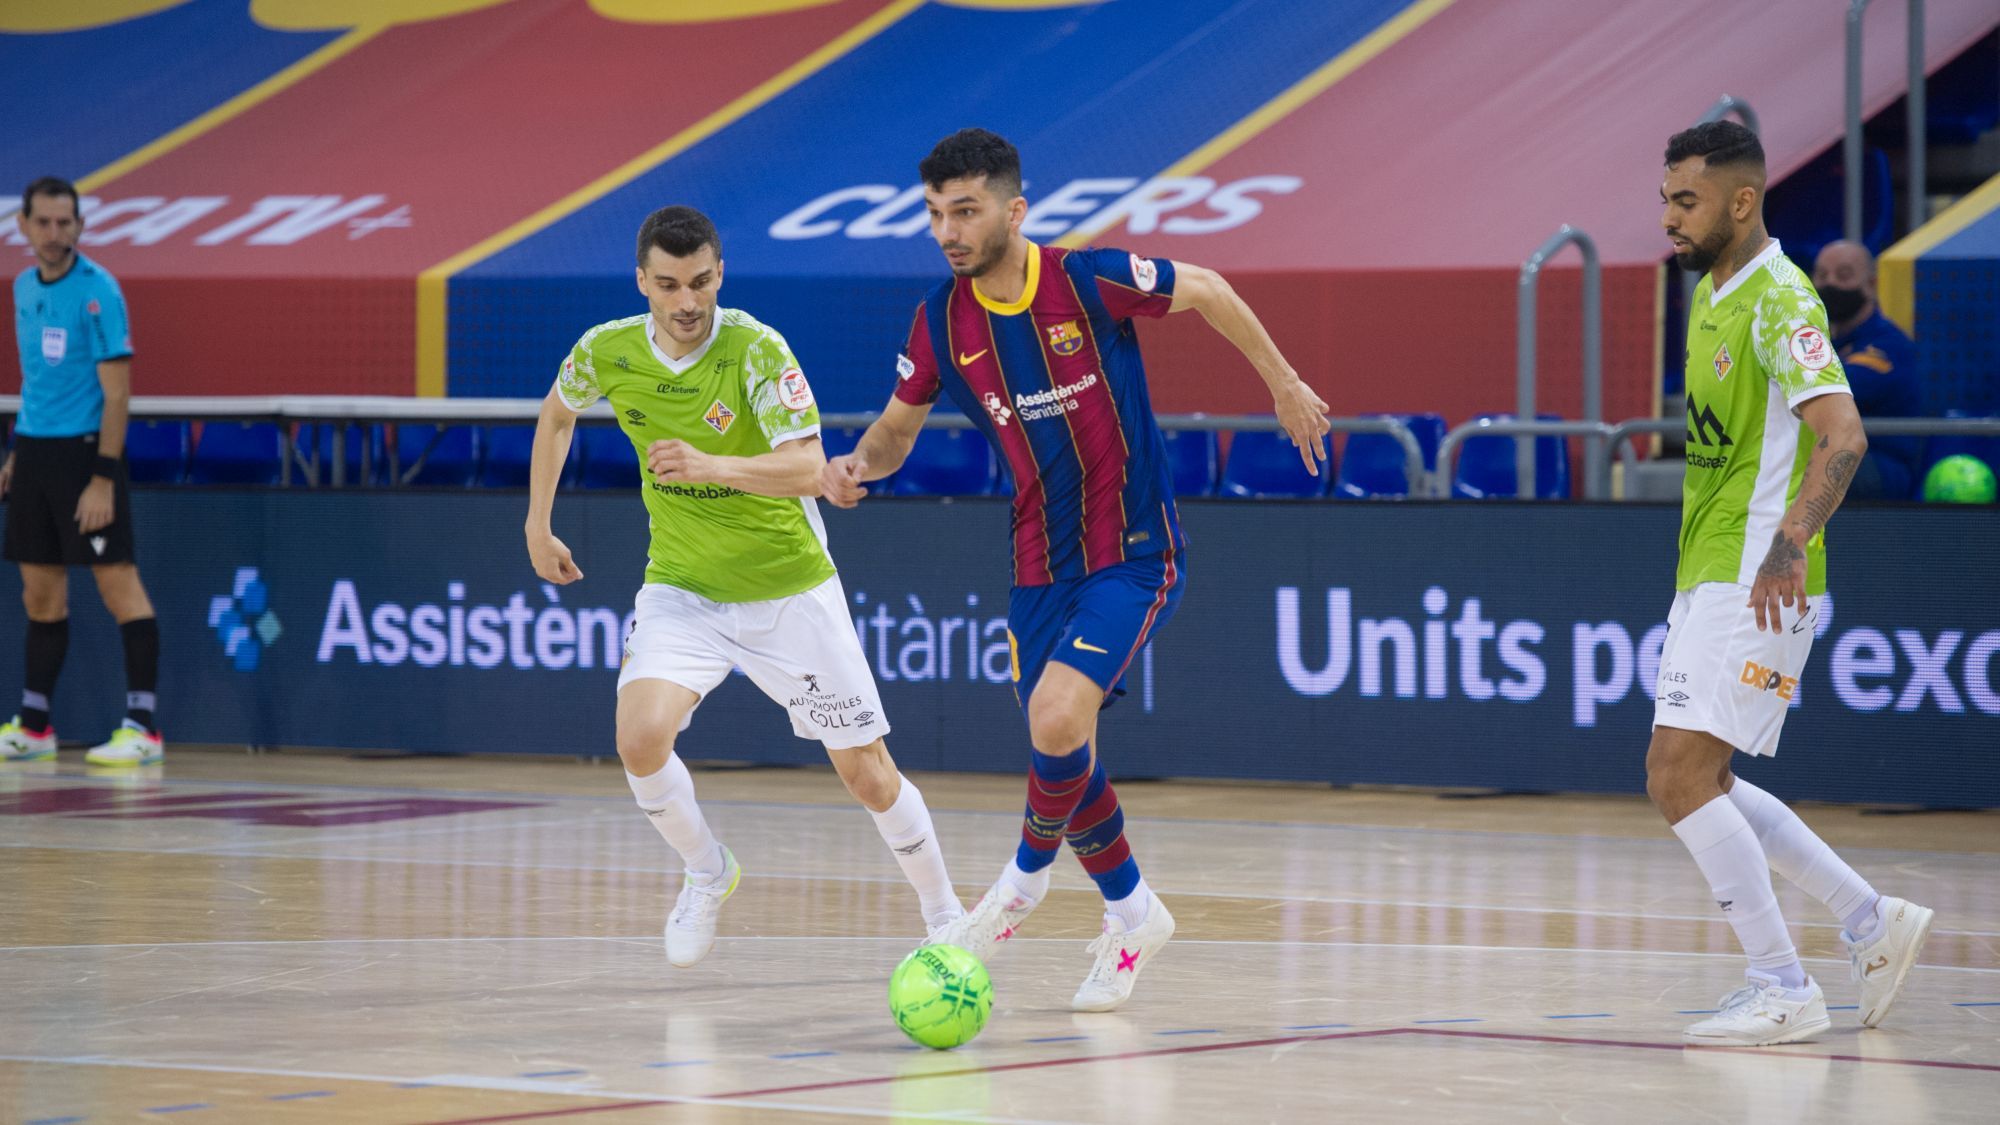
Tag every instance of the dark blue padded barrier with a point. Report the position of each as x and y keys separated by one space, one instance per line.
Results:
x=1438 y=644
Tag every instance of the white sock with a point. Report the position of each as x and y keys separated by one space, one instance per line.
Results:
x=1032 y=886
x=1131 y=909
x=1802 y=857
x=906 y=827
x=667 y=798
x=1727 y=851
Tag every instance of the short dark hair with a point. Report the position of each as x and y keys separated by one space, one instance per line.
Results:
x=679 y=231
x=1722 y=143
x=974 y=152
x=50 y=185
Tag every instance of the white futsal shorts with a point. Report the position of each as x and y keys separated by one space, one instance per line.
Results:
x=801 y=651
x=1719 y=673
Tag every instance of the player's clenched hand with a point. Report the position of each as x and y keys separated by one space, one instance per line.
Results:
x=96 y=507
x=552 y=559
x=676 y=460
x=1781 y=580
x=840 y=481
x=1303 y=415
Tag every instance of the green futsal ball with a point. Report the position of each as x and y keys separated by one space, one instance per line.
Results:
x=940 y=996
x=1959 y=479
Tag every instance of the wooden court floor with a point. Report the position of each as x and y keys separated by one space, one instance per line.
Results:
x=308 y=938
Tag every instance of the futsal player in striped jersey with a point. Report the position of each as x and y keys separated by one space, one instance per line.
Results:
x=1036 y=344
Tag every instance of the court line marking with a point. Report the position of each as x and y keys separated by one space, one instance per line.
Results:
x=230 y=850
x=625 y=800
x=522 y=1086
x=1203 y=1048
x=898 y=940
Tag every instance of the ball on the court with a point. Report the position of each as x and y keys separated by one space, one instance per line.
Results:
x=941 y=996
x=1959 y=479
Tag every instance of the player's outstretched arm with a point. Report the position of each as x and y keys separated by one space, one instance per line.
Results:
x=553 y=431
x=1300 y=411
x=792 y=469
x=880 y=452
x=1781 y=580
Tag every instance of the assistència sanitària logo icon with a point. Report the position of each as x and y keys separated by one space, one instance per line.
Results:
x=243 y=620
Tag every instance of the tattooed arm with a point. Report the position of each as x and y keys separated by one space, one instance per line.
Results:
x=1835 y=457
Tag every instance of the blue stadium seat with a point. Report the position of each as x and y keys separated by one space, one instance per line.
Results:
x=1375 y=464
x=1486 y=466
x=1265 y=465
x=1194 y=458
x=314 y=447
x=437 y=456
x=157 y=452
x=947 y=463
x=609 y=458
x=238 y=453
x=509 y=449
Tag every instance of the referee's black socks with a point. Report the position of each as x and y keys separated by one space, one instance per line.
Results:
x=48 y=643
x=142 y=669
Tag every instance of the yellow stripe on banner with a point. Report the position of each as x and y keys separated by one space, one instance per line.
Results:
x=1896 y=281
x=1281 y=107
x=432 y=303
x=230 y=110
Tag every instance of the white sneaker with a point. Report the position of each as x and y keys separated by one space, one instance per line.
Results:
x=932 y=932
x=1883 y=961
x=129 y=745
x=691 y=927
x=19 y=744
x=1763 y=1014
x=999 y=912
x=1121 y=954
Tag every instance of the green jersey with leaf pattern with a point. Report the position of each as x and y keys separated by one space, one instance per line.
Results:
x=1756 y=352
x=740 y=394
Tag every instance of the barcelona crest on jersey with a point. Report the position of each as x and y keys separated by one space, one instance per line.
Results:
x=1065 y=338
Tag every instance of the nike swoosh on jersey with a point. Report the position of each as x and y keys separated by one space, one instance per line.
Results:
x=964 y=360
x=1080 y=643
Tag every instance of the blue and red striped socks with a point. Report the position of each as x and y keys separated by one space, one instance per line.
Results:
x=1070 y=797
x=1055 y=788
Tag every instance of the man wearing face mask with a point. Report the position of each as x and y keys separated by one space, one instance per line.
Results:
x=1881 y=366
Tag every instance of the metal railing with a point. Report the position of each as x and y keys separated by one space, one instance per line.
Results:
x=1525 y=340
x=1413 y=452
x=1602 y=441
x=1918 y=202
x=1726 y=105
x=1596 y=434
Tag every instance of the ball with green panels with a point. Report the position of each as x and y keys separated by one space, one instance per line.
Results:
x=941 y=996
x=1959 y=479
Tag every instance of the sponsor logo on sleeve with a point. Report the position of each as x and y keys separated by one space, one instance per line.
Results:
x=905 y=367
x=1811 y=349
x=1145 y=274
x=793 y=390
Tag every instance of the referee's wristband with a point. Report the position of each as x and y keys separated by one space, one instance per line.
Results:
x=106 y=467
